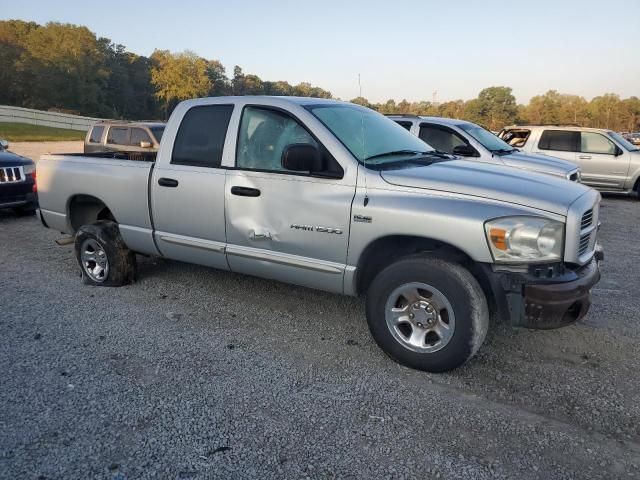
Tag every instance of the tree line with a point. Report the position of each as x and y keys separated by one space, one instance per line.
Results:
x=68 y=68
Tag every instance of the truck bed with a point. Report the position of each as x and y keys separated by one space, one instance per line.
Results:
x=122 y=184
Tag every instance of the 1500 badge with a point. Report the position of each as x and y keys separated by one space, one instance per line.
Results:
x=313 y=228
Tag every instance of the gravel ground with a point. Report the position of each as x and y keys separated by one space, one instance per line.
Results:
x=34 y=150
x=195 y=373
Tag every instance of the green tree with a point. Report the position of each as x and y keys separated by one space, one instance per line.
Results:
x=178 y=76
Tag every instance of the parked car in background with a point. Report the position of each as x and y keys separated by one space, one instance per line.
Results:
x=466 y=139
x=634 y=138
x=334 y=196
x=134 y=137
x=17 y=182
x=608 y=162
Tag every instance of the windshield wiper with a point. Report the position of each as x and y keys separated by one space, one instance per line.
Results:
x=503 y=151
x=394 y=152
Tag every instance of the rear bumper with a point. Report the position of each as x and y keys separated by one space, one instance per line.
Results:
x=528 y=301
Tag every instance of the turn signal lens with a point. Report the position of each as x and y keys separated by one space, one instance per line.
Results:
x=498 y=237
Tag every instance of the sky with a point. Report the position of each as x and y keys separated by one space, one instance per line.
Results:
x=400 y=48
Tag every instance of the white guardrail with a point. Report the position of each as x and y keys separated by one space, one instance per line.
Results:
x=48 y=119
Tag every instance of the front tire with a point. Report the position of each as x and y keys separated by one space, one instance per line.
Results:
x=103 y=257
x=427 y=313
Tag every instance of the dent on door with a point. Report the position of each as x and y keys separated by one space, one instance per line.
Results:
x=296 y=231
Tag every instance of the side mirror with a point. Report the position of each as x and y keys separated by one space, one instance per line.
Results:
x=618 y=151
x=145 y=144
x=464 y=151
x=4 y=144
x=302 y=157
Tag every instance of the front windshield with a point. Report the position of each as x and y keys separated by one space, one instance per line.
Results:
x=368 y=135
x=622 y=141
x=487 y=139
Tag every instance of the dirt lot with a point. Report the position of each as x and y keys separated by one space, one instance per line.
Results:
x=34 y=150
x=196 y=373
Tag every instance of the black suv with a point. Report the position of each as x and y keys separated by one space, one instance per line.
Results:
x=17 y=182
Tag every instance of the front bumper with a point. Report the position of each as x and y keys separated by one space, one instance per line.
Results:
x=546 y=297
x=18 y=194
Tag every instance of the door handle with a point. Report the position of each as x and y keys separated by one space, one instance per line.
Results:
x=167 y=182
x=245 y=191
x=584 y=157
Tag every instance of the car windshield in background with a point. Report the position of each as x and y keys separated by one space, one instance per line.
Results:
x=371 y=137
x=624 y=142
x=157 y=132
x=487 y=139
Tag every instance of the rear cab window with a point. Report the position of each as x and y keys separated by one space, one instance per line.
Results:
x=201 y=135
x=96 y=134
x=559 y=140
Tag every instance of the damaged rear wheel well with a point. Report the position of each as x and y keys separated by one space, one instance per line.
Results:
x=87 y=209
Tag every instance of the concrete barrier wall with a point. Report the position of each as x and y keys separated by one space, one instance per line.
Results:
x=48 y=119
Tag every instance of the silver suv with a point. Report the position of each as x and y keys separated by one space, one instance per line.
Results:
x=466 y=139
x=608 y=161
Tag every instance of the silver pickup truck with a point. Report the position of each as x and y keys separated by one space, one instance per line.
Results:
x=334 y=196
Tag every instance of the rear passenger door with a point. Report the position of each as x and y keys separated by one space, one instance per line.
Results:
x=187 y=189
x=281 y=224
x=559 y=143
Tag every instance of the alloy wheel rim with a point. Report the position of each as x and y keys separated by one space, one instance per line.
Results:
x=94 y=260
x=420 y=317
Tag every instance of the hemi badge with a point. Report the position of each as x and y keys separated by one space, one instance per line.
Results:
x=362 y=219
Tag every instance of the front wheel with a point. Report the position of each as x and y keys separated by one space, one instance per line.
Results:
x=427 y=313
x=103 y=256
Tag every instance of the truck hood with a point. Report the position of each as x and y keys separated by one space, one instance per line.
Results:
x=495 y=182
x=539 y=163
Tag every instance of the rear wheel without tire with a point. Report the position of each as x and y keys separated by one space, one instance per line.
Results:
x=427 y=313
x=103 y=256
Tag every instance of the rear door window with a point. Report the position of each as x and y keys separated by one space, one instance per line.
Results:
x=559 y=140
x=439 y=137
x=118 y=136
x=591 y=142
x=138 y=135
x=200 y=138
x=96 y=134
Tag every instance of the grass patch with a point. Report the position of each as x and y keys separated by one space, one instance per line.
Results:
x=24 y=132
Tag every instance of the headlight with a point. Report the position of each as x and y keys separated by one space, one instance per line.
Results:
x=29 y=169
x=525 y=239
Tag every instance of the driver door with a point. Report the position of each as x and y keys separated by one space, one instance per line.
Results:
x=281 y=224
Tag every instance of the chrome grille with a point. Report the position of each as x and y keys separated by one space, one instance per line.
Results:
x=587 y=219
x=11 y=174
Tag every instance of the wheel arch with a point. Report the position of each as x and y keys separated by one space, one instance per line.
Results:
x=85 y=209
x=386 y=250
